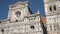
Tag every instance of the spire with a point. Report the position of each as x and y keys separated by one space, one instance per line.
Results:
x=38 y=11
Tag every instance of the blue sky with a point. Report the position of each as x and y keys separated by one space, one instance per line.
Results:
x=33 y=4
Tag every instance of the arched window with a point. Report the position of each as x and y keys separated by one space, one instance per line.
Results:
x=50 y=8
x=56 y=27
x=51 y=27
x=55 y=7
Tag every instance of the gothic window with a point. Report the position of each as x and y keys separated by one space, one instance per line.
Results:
x=55 y=7
x=18 y=13
x=50 y=8
x=56 y=27
x=50 y=27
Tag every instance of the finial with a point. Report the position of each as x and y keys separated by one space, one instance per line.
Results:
x=38 y=11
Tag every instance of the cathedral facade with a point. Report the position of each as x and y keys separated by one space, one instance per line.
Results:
x=21 y=20
x=52 y=11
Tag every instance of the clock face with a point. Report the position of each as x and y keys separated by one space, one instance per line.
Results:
x=18 y=13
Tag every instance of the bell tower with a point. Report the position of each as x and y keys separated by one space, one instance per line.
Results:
x=52 y=16
x=50 y=7
x=18 y=11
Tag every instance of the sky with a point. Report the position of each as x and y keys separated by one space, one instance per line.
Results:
x=34 y=5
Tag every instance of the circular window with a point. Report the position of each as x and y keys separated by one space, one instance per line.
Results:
x=18 y=13
x=32 y=27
